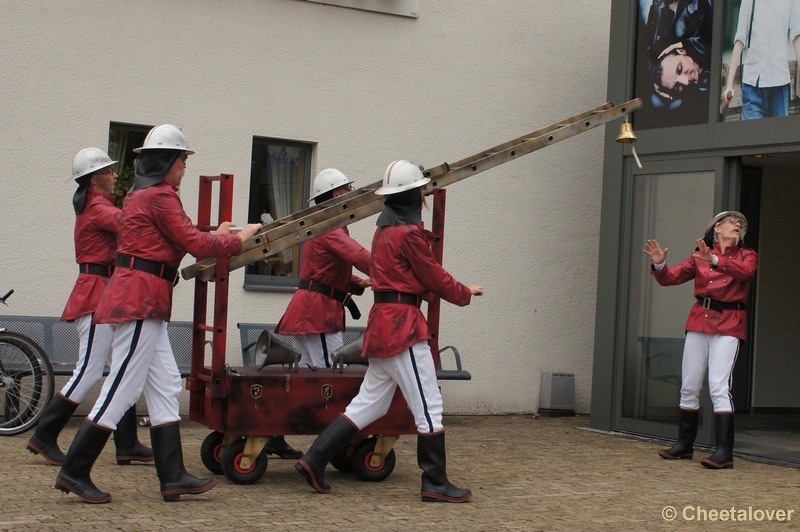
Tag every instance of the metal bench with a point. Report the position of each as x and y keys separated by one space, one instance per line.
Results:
x=60 y=340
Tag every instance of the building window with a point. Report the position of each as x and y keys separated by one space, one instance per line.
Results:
x=280 y=180
x=122 y=140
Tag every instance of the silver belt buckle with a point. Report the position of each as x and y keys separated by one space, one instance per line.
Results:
x=706 y=303
x=347 y=299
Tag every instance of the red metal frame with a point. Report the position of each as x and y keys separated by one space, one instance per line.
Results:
x=250 y=402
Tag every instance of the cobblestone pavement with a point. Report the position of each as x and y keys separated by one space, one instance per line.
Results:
x=526 y=474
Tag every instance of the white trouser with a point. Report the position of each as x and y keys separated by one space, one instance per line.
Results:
x=717 y=353
x=414 y=372
x=142 y=359
x=93 y=352
x=317 y=348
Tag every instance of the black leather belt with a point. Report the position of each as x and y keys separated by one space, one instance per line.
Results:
x=103 y=270
x=708 y=303
x=148 y=266
x=342 y=297
x=398 y=297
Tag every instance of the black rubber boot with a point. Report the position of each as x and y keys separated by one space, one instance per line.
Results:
x=687 y=432
x=75 y=473
x=333 y=438
x=277 y=445
x=45 y=440
x=128 y=445
x=432 y=459
x=175 y=481
x=723 y=456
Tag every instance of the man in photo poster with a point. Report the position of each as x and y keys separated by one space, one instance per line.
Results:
x=764 y=31
x=673 y=62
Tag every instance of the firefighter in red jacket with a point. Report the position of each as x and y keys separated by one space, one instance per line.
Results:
x=96 y=227
x=155 y=234
x=403 y=272
x=722 y=270
x=315 y=316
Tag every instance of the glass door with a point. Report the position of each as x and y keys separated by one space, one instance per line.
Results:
x=672 y=207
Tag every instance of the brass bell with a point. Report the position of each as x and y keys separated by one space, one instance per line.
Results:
x=626 y=134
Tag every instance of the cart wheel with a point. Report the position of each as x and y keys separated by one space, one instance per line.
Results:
x=361 y=457
x=210 y=452
x=232 y=469
x=341 y=462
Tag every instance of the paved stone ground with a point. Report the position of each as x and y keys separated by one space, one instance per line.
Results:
x=527 y=474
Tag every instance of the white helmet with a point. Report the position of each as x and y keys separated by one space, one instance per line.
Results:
x=327 y=180
x=90 y=160
x=165 y=137
x=400 y=176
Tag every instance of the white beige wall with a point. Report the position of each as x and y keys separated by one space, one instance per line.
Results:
x=365 y=88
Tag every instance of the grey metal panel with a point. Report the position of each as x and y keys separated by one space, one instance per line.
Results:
x=61 y=342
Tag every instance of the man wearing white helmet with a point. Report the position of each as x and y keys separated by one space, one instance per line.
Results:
x=96 y=227
x=155 y=234
x=315 y=316
x=722 y=269
x=403 y=272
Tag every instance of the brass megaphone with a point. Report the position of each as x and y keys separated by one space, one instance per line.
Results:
x=349 y=353
x=272 y=350
x=626 y=134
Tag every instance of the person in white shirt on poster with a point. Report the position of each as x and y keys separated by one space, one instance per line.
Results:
x=763 y=28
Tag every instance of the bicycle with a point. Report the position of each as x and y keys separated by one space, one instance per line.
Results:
x=26 y=381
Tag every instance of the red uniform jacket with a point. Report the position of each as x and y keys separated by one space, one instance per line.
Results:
x=728 y=282
x=95 y=242
x=155 y=227
x=402 y=261
x=327 y=259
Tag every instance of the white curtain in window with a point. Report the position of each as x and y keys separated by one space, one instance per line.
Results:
x=282 y=163
x=285 y=182
x=119 y=145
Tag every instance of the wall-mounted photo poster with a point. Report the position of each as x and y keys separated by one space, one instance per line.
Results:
x=673 y=51
x=760 y=51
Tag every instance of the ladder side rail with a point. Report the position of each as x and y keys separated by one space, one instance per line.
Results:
x=532 y=144
x=434 y=307
x=582 y=122
x=196 y=386
x=283 y=226
x=268 y=249
x=323 y=212
x=298 y=222
x=520 y=140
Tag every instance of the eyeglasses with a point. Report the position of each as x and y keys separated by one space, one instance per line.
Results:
x=733 y=220
x=109 y=170
x=183 y=156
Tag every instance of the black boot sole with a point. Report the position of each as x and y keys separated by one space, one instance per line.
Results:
x=67 y=488
x=50 y=460
x=667 y=456
x=174 y=495
x=126 y=460
x=433 y=497
x=713 y=465
x=310 y=477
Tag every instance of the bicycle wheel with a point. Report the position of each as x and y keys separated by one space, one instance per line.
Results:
x=26 y=383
